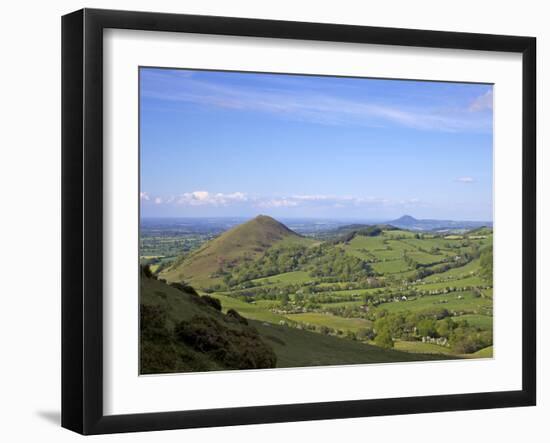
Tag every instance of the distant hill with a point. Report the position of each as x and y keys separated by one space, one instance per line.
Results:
x=411 y=223
x=406 y=220
x=244 y=242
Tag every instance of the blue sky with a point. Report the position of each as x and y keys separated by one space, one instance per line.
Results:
x=242 y=144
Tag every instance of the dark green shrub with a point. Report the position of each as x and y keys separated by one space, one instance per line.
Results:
x=233 y=315
x=231 y=348
x=182 y=286
x=213 y=302
x=146 y=269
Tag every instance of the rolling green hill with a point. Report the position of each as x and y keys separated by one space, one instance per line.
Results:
x=244 y=242
x=325 y=299
x=184 y=332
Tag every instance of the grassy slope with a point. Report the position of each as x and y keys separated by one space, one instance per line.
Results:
x=248 y=240
x=295 y=348
x=451 y=302
x=292 y=277
x=418 y=346
x=253 y=238
x=462 y=271
x=482 y=353
x=253 y=311
x=332 y=321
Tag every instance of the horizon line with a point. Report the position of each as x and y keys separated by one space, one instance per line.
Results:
x=313 y=218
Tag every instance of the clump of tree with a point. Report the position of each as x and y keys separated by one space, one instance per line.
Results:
x=274 y=261
x=466 y=339
x=334 y=262
x=486 y=263
x=461 y=336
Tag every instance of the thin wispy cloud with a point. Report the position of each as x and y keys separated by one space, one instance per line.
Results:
x=465 y=179
x=314 y=106
x=240 y=199
x=203 y=198
x=483 y=102
x=227 y=143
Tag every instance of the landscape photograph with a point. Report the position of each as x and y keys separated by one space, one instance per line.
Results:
x=294 y=221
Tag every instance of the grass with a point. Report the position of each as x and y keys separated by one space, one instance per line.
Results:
x=253 y=311
x=390 y=267
x=369 y=243
x=293 y=277
x=469 y=303
x=384 y=254
x=459 y=283
x=331 y=321
x=387 y=254
x=293 y=347
x=297 y=348
x=342 y=304
x=482 y=353
x=399 y=233
x=478 y=321
x=419 y=347
x=424 y=258
x=462 y=271
x=244 y=242
x=348 y=292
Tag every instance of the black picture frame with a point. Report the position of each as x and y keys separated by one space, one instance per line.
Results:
x=82 y=218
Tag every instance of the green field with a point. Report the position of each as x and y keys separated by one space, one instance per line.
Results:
x=468 y=303
x=483 y=353
x=462 y=271
x=287 y=277
x=295 y=348
x=294 y=287
x=249 y=310
x=419 y=347
x=458 y=283
x=330 y=321
x=479 y=321
x=390 y=267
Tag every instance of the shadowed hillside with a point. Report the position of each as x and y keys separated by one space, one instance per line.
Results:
x=184 y=332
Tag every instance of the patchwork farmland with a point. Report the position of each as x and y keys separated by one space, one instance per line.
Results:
x=423 y=294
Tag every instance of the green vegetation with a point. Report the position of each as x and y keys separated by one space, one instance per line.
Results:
x=184 y=332
x=330 y=321
x=215 y=260
x=398 y=294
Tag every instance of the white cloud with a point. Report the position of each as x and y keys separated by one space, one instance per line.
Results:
x=144 y=196
x=201 y=198
x=465 y=179
x=483 y=102
x=278 y=203
x=312 y=197
x=219 y=199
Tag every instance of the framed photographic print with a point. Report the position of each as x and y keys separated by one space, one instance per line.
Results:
x=269 y=221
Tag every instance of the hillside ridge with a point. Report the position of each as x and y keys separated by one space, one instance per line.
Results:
x=246 y=241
